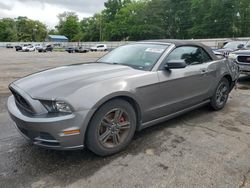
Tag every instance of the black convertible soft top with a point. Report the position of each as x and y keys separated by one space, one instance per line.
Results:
x=179 y=43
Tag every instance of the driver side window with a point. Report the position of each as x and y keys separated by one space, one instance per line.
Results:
x=190 y=54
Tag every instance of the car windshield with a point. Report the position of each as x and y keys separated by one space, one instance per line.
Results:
x=233 y=45
x=139 y=56
x=247 y=46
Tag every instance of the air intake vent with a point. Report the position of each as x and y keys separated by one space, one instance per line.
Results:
x=21 y=102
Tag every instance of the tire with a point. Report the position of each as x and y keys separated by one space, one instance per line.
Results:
x=116 y=141
x=219 y=99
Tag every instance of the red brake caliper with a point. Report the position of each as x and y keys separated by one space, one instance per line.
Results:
x=122 y=119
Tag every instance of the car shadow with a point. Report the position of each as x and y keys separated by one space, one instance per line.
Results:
x=244 y=82
x=244 y=79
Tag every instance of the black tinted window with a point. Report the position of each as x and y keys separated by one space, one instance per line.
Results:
x=190 y=54
x=205 y=56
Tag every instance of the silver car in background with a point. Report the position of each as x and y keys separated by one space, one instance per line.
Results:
x=100 y=105
x=242 y=58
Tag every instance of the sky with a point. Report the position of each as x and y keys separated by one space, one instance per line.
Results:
x=46 y=11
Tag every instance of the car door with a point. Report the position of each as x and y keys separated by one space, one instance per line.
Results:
x=185 y=87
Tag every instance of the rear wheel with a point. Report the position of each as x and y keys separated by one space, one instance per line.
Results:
x=221 y=94
x=111 y=128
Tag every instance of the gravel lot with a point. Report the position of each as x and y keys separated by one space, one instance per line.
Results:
x=200 y=149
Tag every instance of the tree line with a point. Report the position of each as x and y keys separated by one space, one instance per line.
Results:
x=21 y=29
x=141 y=19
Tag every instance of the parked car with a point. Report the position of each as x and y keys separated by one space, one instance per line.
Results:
x=242 y=58
x=9 y=46
x=81 y=49
x=37 y=46
x=231 y=47
x=18 y=48
x=99 y=47
x=100 y=105
x=247 y=46
x=46 y=48
x=29 y=48
x=70 y=49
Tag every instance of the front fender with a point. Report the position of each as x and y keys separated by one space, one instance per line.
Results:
x=233 y=69
x=93 y=97
x=96 y=94
x=115 y=95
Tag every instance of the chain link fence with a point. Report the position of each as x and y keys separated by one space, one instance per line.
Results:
x=213 y=43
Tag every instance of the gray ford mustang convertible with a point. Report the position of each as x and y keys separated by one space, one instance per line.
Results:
x=100 y=105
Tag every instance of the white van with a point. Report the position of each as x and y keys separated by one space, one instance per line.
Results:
x=99 y=47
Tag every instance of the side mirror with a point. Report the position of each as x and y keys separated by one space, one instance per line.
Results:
x=175 y=64
x=240 y=46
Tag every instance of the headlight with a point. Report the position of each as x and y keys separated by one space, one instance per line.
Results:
x=57 y=106
x=232 y=56
x=62 y=107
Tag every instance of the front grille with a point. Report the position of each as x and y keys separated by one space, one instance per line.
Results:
x=21 y=102
x=243 y=59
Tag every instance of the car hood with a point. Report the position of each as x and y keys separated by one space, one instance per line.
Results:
x=242 y=52
x=222 y=50
x=63 y=81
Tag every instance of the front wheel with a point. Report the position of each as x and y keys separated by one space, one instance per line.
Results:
x=111 y=128
x=221 y=94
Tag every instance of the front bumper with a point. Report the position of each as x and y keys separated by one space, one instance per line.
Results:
x=47 y=131
x=244 y=68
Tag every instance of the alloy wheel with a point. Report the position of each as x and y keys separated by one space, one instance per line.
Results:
x=222 y=94
x=114 y=128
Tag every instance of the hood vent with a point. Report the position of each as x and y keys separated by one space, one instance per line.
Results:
x=21 y=102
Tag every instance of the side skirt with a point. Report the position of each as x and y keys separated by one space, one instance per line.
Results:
x=171 y=116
